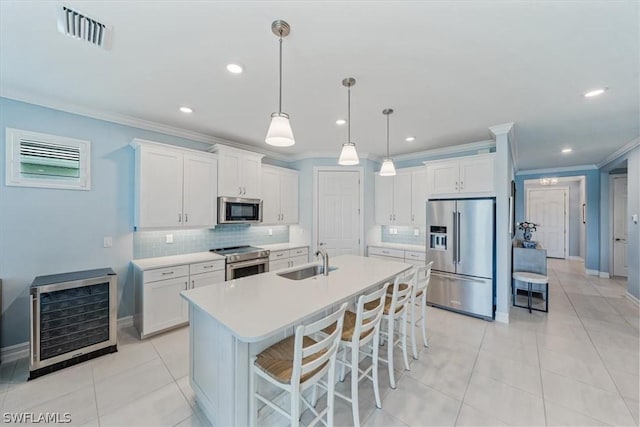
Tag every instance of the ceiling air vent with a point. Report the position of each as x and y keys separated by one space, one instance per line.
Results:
x=80 y=26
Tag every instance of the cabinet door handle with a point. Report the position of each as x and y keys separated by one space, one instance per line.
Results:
x=461 y=185
x=413 y=217
x=456 y=185
x=390 y=217
x=186 y=285
x=186 y=217
x=193 y=284
x=240 y=190
x=179 y=217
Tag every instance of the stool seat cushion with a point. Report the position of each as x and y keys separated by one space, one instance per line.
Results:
x=528 y=277
x=402 y=287
x=387 y=305
x=277 y=360
x=348 y=327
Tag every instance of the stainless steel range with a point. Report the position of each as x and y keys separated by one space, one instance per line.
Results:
x=244 y=261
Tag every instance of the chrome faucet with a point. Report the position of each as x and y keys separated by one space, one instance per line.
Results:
x=325 y=260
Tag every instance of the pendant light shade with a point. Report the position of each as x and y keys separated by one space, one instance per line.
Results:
x=388 y=168
x=280 y=133
x=348 y=155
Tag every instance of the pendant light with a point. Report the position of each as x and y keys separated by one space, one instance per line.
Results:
x=348 y=155
x=387 y=169
x=280 y=133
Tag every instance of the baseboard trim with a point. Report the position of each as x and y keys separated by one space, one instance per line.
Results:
x=18 y=351
x=633 y=299
x=592 y=272
x=575 y=258
x=14 y=352
x=125 y=322
x=502 y=317
x=604 y=275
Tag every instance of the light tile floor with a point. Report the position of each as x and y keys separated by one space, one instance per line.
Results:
x=577 y=365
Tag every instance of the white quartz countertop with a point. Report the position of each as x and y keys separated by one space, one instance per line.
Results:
x=255 y=307
x=405 y=247
x=173 y=260
x=283 y=246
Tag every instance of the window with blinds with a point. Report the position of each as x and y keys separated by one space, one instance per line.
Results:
x=47 y=161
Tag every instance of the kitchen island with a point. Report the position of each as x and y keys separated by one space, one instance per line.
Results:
x=233 y=321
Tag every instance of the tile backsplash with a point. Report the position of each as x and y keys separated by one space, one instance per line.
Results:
x=404 y=235
x=149 y=244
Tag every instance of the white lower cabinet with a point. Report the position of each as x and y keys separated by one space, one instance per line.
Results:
x=158 y=303
x=287 y=258
x=416 y=258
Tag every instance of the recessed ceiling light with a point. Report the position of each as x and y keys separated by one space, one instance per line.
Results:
x=340 y=122
x=410 y=138
x=235 y=68
x=595 y=92
x=186 y=110
x=567 y=150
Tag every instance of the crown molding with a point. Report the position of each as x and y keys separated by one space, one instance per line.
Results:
x=136 y=122
x=501 y=129
x=325 y=155
x=620 y=152
x=455 y=149
x=557 y=170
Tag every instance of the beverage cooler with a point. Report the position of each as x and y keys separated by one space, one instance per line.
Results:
x=73 y=319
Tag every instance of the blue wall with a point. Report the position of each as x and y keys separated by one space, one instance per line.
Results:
x=592 y=190
x=44 y=231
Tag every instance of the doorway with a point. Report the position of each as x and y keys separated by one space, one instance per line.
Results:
x=619 y=225
x=338 y=201
x=548 y=207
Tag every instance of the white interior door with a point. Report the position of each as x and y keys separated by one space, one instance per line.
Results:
x=620 y=226
x=338 y=212
x=548 y=208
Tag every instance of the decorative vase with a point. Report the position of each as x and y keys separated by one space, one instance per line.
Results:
x=529 y=244
x=527 y=234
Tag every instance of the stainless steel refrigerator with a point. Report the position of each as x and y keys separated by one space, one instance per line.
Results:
x=461 y=244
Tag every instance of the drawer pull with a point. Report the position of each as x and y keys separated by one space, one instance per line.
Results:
x=385 y=252
x=166 y=273
x=208 y=266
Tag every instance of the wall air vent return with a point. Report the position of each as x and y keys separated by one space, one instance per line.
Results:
x=79 y=26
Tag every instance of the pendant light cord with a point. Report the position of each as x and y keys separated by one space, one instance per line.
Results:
x=387 y=136
x=280 y=72
x=349 y=114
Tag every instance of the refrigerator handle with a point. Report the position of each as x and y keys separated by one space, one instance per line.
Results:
x=458 y=236
x=455 y=237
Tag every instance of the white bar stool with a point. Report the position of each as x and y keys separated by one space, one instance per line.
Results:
x=361 y=329
x=395 y=308
x=530 y=278
x=420 y=282
x=297 y=363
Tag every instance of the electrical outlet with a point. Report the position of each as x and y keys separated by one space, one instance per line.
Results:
x=271 y=232
x=107 y=242
x=416 y=231
x=169 y=238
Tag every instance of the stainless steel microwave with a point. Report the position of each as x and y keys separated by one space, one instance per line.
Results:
x=237 y=210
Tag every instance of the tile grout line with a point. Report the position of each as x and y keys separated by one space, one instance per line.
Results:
x=473 y=368
x=604 y=364
x=95 y=395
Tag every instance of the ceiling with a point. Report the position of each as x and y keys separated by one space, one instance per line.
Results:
x=450 y=70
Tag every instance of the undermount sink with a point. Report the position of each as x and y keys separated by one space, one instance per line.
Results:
x=304 y=273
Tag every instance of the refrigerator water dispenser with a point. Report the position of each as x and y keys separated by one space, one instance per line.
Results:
x=438 y=238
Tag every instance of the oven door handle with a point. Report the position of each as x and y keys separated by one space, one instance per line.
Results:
x=236 y=265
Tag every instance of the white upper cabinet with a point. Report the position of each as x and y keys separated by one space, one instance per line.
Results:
x=393 y=199
x=466 y=176
x=419 y=192
x=174 y=187
x=239 y=172
x=279 y=195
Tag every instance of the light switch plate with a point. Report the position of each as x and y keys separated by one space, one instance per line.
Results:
x=271 y=232
x=169 y=238
x=107 y=242
x=416 y=231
